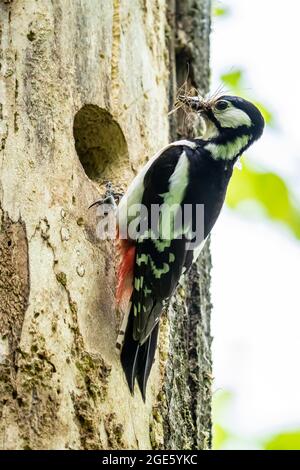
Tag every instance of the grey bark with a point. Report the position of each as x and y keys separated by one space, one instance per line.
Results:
x=84 y=95
x=187 y=386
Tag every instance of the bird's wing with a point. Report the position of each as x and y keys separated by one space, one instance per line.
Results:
x=159 y=261
x=134 y=193
x=145 y=187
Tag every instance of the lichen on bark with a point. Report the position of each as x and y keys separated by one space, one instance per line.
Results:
x=62 y=384
x=186 y=404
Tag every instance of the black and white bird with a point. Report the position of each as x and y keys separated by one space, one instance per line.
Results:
x=185 y=173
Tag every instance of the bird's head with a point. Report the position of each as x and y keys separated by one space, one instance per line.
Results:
x=227 y=118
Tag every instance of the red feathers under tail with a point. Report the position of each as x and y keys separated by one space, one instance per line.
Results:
x=126 y=254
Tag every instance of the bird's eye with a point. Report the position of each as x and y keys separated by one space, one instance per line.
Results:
x=221 y=105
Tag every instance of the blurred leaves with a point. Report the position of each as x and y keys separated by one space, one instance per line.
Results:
x=220 y=436
x=284 y=441
x=235 y=81
x=224 y=438
x=222 y=401
x=267 y=189
x=220 y=10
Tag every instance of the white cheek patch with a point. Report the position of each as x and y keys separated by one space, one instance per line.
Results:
x=233 y=117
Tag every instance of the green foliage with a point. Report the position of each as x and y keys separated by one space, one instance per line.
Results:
x=224 y=438
x=265 y=188
x=269 y=191
x=218 y=10
x=222 y=401
x=235 y=81
x=284 y=441
x=220 y=436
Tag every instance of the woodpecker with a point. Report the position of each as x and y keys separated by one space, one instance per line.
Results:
x=187 y=172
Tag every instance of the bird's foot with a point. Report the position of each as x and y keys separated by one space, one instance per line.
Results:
x=108 y=203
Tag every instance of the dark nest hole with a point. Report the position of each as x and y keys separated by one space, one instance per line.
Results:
x=99 y=142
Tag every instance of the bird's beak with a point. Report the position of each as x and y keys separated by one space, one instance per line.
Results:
x=195 y=103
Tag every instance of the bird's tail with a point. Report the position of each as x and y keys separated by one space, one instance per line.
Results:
x=137 y=359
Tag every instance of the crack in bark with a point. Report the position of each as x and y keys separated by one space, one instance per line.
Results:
x=186 y=404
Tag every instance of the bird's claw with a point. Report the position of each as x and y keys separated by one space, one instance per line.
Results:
x=109 y=200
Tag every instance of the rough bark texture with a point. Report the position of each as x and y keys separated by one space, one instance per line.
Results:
x=186 y=408
x=84 y=96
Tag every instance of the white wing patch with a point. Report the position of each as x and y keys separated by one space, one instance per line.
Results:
x=135 y=190
x=178 y=183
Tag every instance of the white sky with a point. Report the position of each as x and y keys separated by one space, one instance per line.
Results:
x=256 y=274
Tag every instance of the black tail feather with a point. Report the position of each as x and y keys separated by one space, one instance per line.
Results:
x=145 y=360
x=129 y=355
x=137 y=360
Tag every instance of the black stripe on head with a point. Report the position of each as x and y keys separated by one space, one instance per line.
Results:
x=213 y=119
x=253 y=112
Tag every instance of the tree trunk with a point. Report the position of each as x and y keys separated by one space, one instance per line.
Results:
x=84 y=96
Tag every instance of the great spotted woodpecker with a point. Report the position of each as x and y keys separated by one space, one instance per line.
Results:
x=185 y=173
